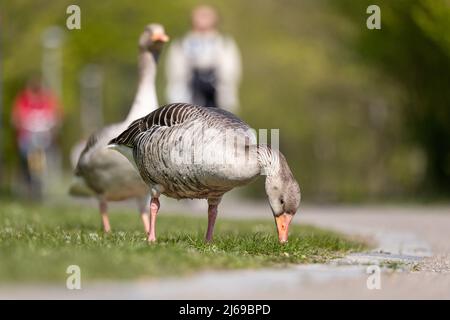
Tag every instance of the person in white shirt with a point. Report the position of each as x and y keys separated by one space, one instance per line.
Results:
x=204 y=67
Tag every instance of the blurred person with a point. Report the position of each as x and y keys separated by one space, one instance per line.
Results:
x=36 y=117
x=204 y=67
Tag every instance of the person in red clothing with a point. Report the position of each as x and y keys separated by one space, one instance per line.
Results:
x=36 y=117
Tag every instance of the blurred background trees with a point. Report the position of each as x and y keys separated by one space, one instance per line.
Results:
x=363 y=114
x=413 y=48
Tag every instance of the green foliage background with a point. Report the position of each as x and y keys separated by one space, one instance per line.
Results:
x=363 y=114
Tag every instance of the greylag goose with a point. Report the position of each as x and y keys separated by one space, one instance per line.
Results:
x=105 y=173
x=187 y=151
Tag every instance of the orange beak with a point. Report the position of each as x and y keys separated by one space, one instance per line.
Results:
x=160 y=37
x=282 y=222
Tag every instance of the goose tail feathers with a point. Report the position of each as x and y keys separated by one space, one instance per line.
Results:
x=127 y=137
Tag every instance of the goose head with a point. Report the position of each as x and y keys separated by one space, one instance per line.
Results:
x=283 y=193
x=152 y=39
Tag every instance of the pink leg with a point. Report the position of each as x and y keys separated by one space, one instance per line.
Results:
x=144 y=209
x=154 y=207
x=212 y=214
x=145 y=221
x=104 y=215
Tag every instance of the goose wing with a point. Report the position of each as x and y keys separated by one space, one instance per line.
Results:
x=165 y=116
x=177 y=114
x=104 y=171
x=96 y=141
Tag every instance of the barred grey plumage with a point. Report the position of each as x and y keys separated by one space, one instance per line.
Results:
x=187 y=151
x=158 y=138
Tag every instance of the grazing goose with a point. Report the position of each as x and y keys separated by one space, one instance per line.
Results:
x=105 y=173
x=187 y=151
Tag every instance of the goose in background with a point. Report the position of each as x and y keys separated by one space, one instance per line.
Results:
x=104 y=173
x=186 y=151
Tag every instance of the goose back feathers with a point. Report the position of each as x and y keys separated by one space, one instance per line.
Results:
x=188 y=151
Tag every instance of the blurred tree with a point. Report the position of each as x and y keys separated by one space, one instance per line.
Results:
x=413 y=47
x=1 y=100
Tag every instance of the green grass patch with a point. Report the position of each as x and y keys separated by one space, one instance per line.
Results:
x=38 y=243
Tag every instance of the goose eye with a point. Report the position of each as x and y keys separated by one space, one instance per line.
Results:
x=281 y=201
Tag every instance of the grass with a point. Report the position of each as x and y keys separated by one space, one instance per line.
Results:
x=38 y=243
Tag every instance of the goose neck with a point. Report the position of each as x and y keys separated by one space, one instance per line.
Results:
x=145 y=100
